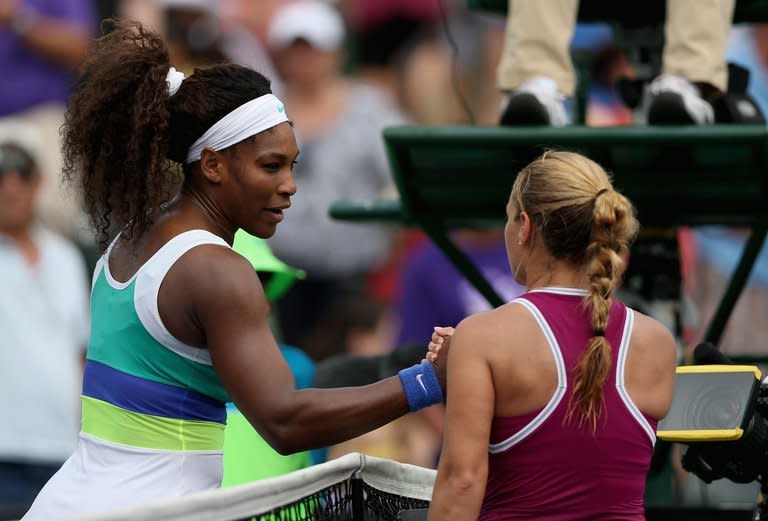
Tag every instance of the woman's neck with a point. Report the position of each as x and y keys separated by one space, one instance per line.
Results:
x=193 y=201
x=555 y=274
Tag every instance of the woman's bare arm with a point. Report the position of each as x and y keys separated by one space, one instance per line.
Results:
x=229 y=304
x=651 y=362
x=463 y=468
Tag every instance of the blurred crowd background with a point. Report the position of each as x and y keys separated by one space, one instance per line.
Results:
x=345 y=70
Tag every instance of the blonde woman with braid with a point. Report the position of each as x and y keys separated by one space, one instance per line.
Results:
x=554 y=397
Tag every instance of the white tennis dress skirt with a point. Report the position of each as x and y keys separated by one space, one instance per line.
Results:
x=102 y=476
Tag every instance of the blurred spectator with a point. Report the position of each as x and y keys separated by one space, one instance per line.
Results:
x=43 y=334
x=434 y=293
x=355 y=325
x=193 y=33
x=338 y=123
x=148 y=12
x=42 y=43
x=436 y=58
x=605 y=107
x=384 y=32
x=244 y=25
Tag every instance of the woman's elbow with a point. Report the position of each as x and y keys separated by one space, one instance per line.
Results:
x=280 y=426
x=465 y=482
x=283 y=440
x=285 y=448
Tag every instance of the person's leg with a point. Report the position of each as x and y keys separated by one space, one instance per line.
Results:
x=696 y=37
x=19 y=485
x=538 y=38
x=694 y=69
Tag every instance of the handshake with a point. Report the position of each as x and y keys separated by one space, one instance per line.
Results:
x=355 y=370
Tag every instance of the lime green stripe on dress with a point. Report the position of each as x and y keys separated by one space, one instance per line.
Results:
x=107 y=422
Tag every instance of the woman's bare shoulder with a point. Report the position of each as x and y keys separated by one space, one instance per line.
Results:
x=649 y=330
x=651 y=363
x=653 y=340
x=214 y=273
x=496 y=326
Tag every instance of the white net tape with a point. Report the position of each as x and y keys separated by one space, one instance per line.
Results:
x=390 y=477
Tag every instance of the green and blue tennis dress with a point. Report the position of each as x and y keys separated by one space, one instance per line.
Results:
x=153 y=407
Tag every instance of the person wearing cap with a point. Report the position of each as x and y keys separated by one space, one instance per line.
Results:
x=338 y=122
x=170 y=168
x=43 y=333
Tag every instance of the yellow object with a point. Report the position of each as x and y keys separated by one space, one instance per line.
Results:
x=690 y=405
x=685 y=369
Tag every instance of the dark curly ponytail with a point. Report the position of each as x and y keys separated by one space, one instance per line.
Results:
x=114 y=131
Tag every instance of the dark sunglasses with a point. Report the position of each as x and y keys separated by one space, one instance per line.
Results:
x=16 y=160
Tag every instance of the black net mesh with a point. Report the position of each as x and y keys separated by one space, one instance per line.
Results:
x=330 y=504
x=383 y=506
x=336 y=503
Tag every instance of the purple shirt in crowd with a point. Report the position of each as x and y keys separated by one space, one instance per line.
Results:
x=29 y=79
x=434 y=293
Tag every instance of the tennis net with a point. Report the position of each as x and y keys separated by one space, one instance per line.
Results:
x=354 y=487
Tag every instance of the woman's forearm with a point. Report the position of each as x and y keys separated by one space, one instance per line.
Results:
x=314 y=418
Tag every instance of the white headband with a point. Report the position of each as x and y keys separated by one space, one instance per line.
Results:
x=245 y=121
x=174 y=79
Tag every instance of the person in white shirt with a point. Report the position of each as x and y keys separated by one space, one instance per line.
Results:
x=43 y=334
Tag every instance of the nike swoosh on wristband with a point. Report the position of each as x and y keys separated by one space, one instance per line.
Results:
x=421 y=383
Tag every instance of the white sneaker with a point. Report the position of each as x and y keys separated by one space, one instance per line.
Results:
x=676 y=101
x=535 y=102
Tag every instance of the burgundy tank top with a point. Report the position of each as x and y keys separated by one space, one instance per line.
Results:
x=542 y=468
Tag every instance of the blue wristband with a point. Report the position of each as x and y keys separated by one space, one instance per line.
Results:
x=421 y=386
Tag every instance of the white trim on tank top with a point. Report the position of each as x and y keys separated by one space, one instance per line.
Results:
x=113 y=282
x=148 y=279
x=620 y=367
x=558 y=290
x=96 y=271
x=557 y=396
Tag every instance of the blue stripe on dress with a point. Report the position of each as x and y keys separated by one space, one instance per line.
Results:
x=145 y=396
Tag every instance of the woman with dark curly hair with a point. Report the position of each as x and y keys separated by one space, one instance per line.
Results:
x=179 y=320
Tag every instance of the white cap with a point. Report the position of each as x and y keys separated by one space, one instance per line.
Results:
x=23 y=134
x=315 y=21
